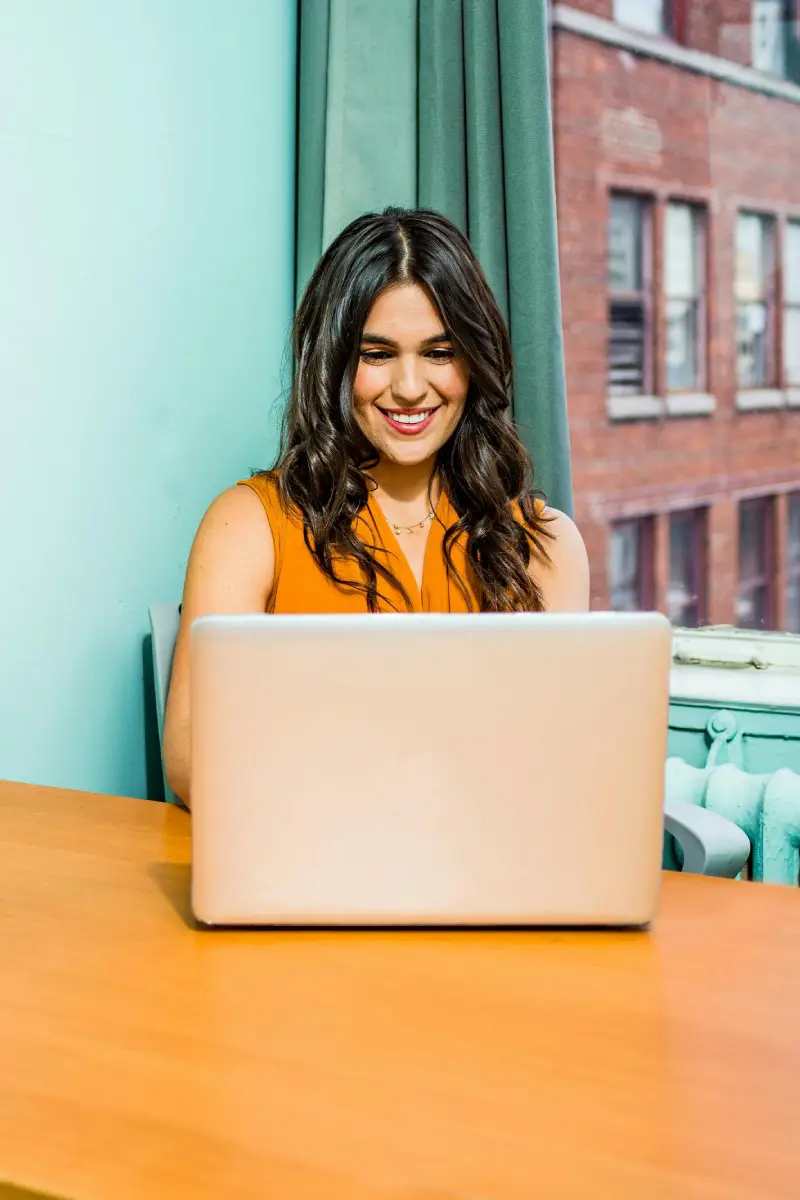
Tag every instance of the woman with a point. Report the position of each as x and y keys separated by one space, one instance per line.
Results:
x=401 y=483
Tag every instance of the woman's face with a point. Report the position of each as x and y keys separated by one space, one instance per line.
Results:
x=410 y=388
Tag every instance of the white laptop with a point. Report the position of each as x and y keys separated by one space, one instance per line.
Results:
x=428 y=769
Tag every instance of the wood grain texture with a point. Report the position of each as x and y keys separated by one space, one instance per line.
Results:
x=142 y=1057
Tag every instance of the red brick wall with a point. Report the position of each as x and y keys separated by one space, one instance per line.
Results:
x=719 y=27
x=713 y=143
x=600 y=8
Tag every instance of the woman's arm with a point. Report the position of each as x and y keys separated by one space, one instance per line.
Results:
x=231 y=570
x=565 y=579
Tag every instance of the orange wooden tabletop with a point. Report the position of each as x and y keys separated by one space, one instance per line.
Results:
x=142 y=1058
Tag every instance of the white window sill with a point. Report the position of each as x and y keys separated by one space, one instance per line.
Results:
x=650 y=408
x=760 y=399
x=690 y=404
x=793 y=397
x=725 y=665
x=634 y=408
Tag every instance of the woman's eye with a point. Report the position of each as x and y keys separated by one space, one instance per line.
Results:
x=439 y=355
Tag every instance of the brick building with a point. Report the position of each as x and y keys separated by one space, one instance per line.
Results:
x=677 y=142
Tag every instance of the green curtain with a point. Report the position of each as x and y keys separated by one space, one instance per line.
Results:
x=445 y=104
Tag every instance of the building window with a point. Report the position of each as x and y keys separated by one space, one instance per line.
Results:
x=793 y=564
x=687 y=568
x=630 y=308
x=754 y=273
x=770 y=23
x=791 y=312
x=631 y=565
x=684 y=286
x=755 y=608
x=651 y=16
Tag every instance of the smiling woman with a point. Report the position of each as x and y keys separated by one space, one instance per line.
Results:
x=409 y=380
x=401 y=483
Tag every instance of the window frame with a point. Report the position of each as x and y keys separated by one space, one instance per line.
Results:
x=645 y=561
x=699 y=299
x=699 y=535
x=768 y=301
x=766 y=578
x=644 y=296
x=679 y=20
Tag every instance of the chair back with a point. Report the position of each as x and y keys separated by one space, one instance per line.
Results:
x=164 y=622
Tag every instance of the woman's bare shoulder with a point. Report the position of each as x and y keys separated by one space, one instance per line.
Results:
x=234 y=548
x=239 y=509
x=563 y=575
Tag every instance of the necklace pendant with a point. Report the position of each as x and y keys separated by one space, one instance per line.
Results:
x=410 y=528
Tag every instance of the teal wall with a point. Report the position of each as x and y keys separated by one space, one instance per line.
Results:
x=146 y=250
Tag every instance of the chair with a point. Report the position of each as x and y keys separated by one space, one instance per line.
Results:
x=711 y=845
x=765 y=807
x=164 y=622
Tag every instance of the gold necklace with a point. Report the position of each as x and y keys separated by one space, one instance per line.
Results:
x=411 y=528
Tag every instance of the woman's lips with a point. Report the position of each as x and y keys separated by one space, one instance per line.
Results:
x=408 y=428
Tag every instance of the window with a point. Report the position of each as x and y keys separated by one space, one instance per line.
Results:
x=756 y=564
x=630 y=315
x=651 y=16
x=754 y=270
x=684 y=287
x=631 y=565
x=793 y=564
x=687 y=568
x=791 y=312
x=769 y=30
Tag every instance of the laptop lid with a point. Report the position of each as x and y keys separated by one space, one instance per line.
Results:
x=428 y=768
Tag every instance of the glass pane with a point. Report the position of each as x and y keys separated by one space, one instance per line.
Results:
x=681 y=345
x=791 y=274
x=769 y=36
x=752 y=608
x=751 y=541
x=793 y=531
x=751 y=345
x=625 y=226
x=791 y=345
x=750 y=258
x=679 y=251
x=624 y=567
x=793 y=605
x=682 y=608
x=647 y=15
x=626 y=348
x=684 y=569
x=755 y=564
x=793 y=564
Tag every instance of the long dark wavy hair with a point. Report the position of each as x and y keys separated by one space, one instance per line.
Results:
x=324 y=462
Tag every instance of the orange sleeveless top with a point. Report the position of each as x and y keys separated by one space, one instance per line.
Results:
x=302 y=587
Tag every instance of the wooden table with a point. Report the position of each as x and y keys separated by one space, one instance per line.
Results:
x=141 y=1058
